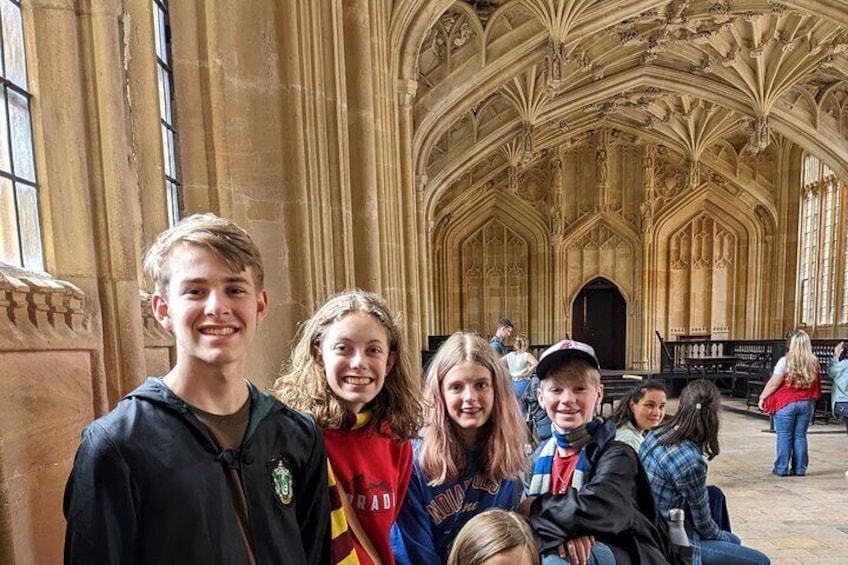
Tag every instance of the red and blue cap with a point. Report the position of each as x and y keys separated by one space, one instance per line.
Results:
x=563 y=351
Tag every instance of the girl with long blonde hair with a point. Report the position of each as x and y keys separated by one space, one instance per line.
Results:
x=471 y=455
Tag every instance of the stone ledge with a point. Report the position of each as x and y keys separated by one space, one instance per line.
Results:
x=38 y=311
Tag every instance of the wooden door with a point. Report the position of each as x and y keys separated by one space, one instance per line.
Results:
x=599 y=317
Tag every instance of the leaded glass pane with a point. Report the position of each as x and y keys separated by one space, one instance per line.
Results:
x=167 y=150
x=165 y=95
x=10 y=251
x=13 y=44
x=160 y=33
x=173 y=201
x=21 y=136
x=844 y=317
x=5 y=159
x=30 y=229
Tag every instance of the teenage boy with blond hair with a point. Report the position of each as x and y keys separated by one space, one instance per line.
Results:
x=199 y=466
x=589 y=499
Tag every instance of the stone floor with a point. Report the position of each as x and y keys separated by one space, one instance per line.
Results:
x=794 y=520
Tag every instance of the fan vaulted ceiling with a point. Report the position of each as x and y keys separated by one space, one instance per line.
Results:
x=716 y=86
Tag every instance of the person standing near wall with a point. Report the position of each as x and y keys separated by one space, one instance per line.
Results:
x=502 y=333
x=200 y=466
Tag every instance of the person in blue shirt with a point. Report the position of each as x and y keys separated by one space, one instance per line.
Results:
x=471 y=453
x=838 y=370
x=673 y=456
x=502 y=333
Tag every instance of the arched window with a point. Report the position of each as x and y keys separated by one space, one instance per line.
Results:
x=823 y=246
x=20 y=231
x=165 y=76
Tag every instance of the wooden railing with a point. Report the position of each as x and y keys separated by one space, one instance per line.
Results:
x=752 y=362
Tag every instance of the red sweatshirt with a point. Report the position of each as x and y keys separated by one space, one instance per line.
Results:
x=374 y=471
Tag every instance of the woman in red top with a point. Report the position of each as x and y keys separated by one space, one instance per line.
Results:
x=790 y=395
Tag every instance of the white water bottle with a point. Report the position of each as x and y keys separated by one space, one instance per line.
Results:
x=676 y=530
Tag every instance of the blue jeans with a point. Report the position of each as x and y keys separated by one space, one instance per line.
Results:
x=791 y=423
x=718 y=552
x=601 y=555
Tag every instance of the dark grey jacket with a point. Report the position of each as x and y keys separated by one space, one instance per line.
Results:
x=149 y=486
x=615 y=505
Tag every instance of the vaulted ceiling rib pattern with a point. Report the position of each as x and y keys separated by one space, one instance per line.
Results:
x=685 y=74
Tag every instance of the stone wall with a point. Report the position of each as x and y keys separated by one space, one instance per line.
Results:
x=406 y=147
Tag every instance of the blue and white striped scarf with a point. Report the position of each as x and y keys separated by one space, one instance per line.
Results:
x=577 y=440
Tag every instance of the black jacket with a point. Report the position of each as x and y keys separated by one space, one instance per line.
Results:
x=615 y=505
x=148 y=486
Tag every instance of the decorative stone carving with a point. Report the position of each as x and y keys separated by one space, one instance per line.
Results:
x=720 y=11
x=483 y=9
x=41 y=309
x=406 y=92
x=421 y=183
x=601 y=166
x=526 y=141
x=730 y=59
x=704 y=68
x=602 y=237
x=758 y=134
x=555 y=61
x=512 y=171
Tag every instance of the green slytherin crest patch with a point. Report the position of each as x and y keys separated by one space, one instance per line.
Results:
x=283 y=482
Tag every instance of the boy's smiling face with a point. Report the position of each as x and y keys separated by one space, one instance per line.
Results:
x=570 y=395
x=212 y=311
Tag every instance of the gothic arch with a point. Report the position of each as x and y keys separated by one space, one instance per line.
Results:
x=606 y=231
x=450 y=237
x=747 y=287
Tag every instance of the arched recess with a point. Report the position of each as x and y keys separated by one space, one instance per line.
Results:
x=602 y=246
x=489 y=259
x=599 y=315
x=707 y=267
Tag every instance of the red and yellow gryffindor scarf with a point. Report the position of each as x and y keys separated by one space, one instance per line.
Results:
x=344 y=524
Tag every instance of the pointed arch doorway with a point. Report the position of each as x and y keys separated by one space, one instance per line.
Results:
x=599 y=316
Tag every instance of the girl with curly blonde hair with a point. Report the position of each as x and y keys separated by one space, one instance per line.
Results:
x=351 y=370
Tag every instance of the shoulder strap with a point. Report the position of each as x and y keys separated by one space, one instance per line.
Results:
x=356 y=527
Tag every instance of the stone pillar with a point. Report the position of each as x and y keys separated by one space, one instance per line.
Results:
x=114 y=200
x=417 y=291
x=646 y=356
x=364 y=207
x=59 y=118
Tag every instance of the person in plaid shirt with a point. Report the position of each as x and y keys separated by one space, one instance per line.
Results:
x=673 y=456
